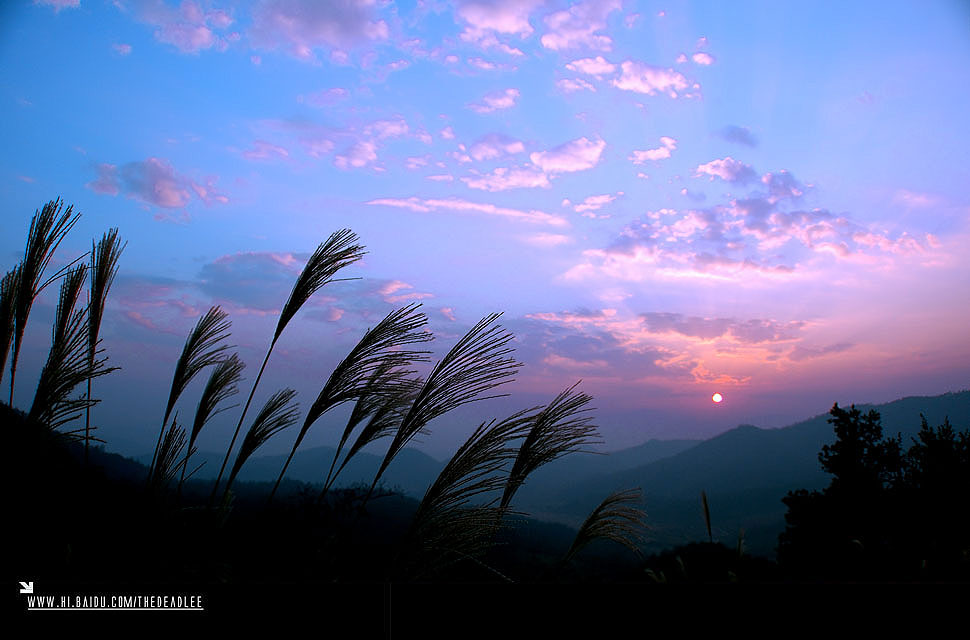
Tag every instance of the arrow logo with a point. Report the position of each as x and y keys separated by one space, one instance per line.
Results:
x=27 y=587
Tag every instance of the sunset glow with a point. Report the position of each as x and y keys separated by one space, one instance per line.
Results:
x=755 y=196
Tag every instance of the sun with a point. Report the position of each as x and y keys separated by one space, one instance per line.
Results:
x=717 y=397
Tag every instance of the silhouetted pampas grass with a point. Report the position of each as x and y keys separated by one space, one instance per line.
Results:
x=104 y=267
x=277 y=414
x=478 y=363
x=68 y=364
x=202 y=348
x=170 y=458
x=220 y=387
x=381 y=349
x=340 y=250
x=616 y=518
x=47 y=229
x=558 y=429
x=8 y=298
x=446 y=525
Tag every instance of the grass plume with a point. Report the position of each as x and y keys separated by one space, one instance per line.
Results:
x=560 y=428
x=477 y=363
x=202 y=348
x=446 y=525
x=104 y=267
x=221 y=386
x=170 y=458
x=277 y=414
x=380 y=350
x=616 y=518
x=68 y=364
x=47 y=229
x=340 y=250
x=8 y=297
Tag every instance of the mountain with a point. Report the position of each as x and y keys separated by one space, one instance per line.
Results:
x=745 y=472
x=411 y=472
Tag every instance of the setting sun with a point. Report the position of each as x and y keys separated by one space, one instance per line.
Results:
x=717 y=397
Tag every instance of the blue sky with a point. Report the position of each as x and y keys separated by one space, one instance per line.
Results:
x=667 y=199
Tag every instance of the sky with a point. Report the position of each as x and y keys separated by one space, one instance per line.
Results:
x=665 y=199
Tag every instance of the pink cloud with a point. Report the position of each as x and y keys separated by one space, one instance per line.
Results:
x=448 y=313
x=546 y=240
x=189 y=28
x=915 y=199
x=448 y=133
x=154 y=182
x=359 y=155
x=576 y=155
x=570 y=85
x=503 y=178
x=455 y=204
x=300 y=26
x=501 y=16
x=597 y=66
x=660 y=153
x=495 y=101
x=495 y=145
x=443 y=177
x=644 y=78
x=324 y=98
x=703 y=59
x=595 y=203
x=579 y=26
x=57 y=5
x=263 y=150
x=727 y=169
x=122 y=49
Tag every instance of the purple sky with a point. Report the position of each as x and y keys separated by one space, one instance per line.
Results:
x=763 y=199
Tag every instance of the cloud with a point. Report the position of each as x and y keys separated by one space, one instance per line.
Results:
x=597 y=66
x=155 y=182
x=752 y=331
x=190 y=28
x=727 y=169
x=359 y=155
x=57 y=5
x=324 y=98
x=579 y=26
x=546 y=240
x=644 y=78
x=455 y=204
x=703 y=59
x=570 y=85
x=576 y=155
x=740 y=135
x=301 y=26
x=256 y=282
x=595 y=203
x=916 y=200
x=800 y=353
x=495 y=145
x=503 y=178
x=660 y=153
x=122 y=49
x=502 y=16
x=782 y=186
x=383 y=129
x=495 y=101
x=263 y=150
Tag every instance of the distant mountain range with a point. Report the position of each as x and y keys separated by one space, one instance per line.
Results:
x=745 y=473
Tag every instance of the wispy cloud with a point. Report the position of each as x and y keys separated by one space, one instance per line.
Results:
x=576 y=155
x=495 y=101
x=300 y=27
x=727 y=169
x=155 y=182
x=465 y=206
